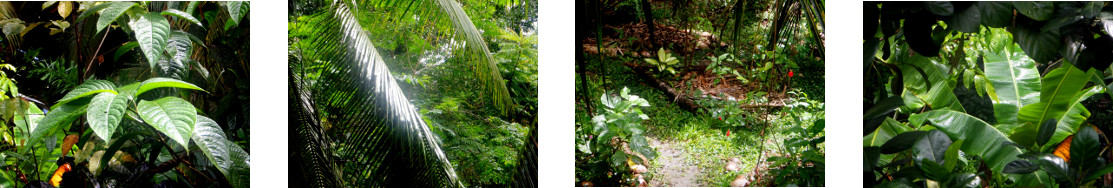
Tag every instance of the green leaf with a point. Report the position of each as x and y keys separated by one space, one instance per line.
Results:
x=1099 y=173
x=1085 y=149
x=902 y=141
x=991 y=144
x=996 y=13
x=172 y=116
x=1046 y=130
x=223 y=153
x=951 y=157
x=942 y=8
x=961 y=180
x=59 y=117
x=236 y=11
x=86 y=89
x=1037 y=10
x=1106 y=19
x=1016 y=81
x=104 y=114
x=1055 y=167
x=942 y=96
x=932 y=147
x=1060 y=89
x=1040 y=46
x=882 y=134
x=1020 y=166
x=109 y=13
x=124 y=49
x=155 y=83
x=966 y=20
x=152 y=31
x=182 y=15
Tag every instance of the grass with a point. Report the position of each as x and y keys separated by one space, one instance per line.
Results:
x=707 y=146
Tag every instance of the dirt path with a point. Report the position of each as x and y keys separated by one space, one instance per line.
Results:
x=673 y=170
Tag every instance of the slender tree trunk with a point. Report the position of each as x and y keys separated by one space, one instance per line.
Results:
x=647 y=10
x=581 y=64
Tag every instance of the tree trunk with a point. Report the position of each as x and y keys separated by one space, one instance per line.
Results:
x=683 y=101
x=647 y=10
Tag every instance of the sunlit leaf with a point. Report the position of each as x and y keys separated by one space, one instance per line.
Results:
x=87 y=89
x=151 y=31
x=105 y=112
x=172 y=116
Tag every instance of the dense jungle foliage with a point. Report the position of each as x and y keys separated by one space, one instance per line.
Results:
x=700 y=93
x=987 y=94
x=124 y=94
x=434 y=93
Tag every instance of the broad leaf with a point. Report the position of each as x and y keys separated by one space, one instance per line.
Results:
x=886 y=131
x=110 y=12
x=1020 y=166
x=1046 y=130
x=155 y=83
x=996 y=13
x=1037 y=10
x=1040 y=46
x=236 y=11
x=1016 y=81
x=967 y=20
x=1055 y=167
x=932 y=147
x=172 y=116
x=991 y=144
x=1060 y=89
x=1085 y=149
x=104 y=114
x=182 y=15
x=58 y=117
x=152 y=31
x=228 y=157
x=902 y=141
x=87 y=89
x=1073 y=118
x=951 y=157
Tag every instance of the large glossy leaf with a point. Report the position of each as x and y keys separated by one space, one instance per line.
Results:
x=990 y=143
x=155 y=83
x=1106 y=19
x=942 y=8
x=996 y=13
x=152 y=31
x=109 y=12
x=1016 y=80
x=1069 y=122
x=214 y=144
x=918 y=34
x=942 y=96
x=1085 y=149
x=932 y=147
x=236 y=11
x=1040 y=46
x=59 y=117
x=967 y=20
x=1037 y=10
x=172 y=116
x=87 y=89
x=902 y=141
x=882 y=134
x=1060 y=89
x=182 y=15
x=104 y=114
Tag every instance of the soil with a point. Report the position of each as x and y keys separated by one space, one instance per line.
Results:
x=673 y=170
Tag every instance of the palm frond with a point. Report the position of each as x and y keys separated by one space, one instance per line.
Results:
x=385 y=143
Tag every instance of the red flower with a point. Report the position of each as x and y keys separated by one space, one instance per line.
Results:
x=789 y=73
x=720 y=118
x=728 y=133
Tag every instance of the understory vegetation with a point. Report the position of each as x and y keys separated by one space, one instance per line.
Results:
x=124 y=94
x=700 y=93
x=987 y=94
x=431 y=93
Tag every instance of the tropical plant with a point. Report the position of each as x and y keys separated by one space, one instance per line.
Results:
x=618 y=137
x=354 y=124
x=117 y=116
x=719 y=67
x=664 y=62
x=924 y=125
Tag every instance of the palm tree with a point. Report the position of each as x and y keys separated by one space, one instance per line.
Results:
x=386 y=142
